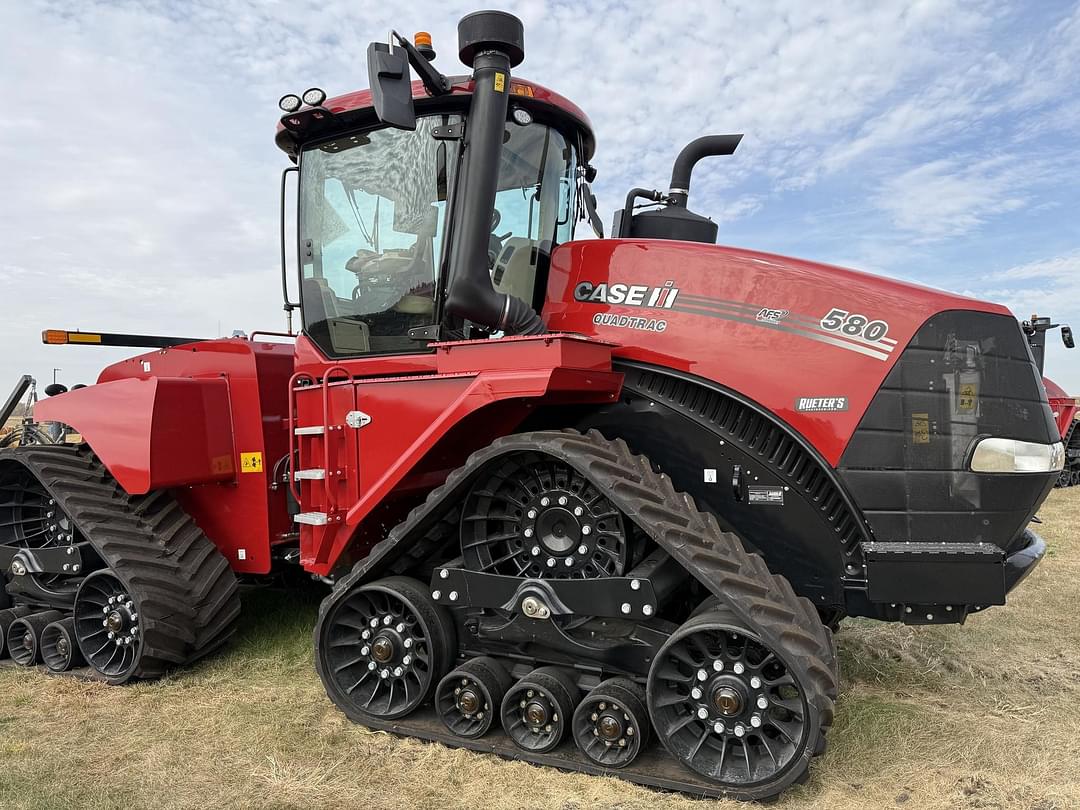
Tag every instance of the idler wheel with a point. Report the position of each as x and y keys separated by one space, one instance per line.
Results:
x=611 y=725
x=468 y=699
x=7 y=616
x=24 y=635
x=537 y=710
x=59 y=648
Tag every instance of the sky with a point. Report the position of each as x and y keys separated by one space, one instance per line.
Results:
x=930 y=141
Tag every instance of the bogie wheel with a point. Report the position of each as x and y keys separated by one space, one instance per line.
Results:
x=7 y=616
x=384 y=647
x=537 y=710
x=24 y=636
x=469 y=697
x=733 y=710
x=611 y=725
x=108 y=626
x=59 y=649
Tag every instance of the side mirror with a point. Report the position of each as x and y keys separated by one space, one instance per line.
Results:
x=55 y=389
x=1067 y=337
x=391 y=85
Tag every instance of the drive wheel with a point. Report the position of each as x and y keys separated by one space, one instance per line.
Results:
x=107 y=626
x=611 y=725
x=384 y=647
x=535 y=516
x=537 y=710
x=731 y=709
x=468 y=699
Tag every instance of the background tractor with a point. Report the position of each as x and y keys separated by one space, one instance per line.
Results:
x=587 y=503
x=1065 y=408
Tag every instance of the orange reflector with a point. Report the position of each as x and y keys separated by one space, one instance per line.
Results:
x=80 y=337
x=55 y=337
x=521 y=89
x=422 y=39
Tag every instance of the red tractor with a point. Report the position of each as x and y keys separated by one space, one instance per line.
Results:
x=580 y=502
x=1065 y=408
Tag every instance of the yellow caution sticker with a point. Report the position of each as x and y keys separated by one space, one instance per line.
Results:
x=969 y=397
x=920 y=428
x=500 y=82
x=251 y=462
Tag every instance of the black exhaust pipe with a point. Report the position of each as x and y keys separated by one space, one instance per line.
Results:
x=694 y=151
x=490 y=42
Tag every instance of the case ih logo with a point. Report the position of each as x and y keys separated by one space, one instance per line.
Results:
x=821 y=404
x=628 y=295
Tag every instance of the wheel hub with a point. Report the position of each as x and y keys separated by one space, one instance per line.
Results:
x=727 y=700
x=536 y=713
x=114 y=622
x=468 y=701
x=609 y=727
x=28 y=640
x=382 y=649
x=62 y=646
x=558 y=530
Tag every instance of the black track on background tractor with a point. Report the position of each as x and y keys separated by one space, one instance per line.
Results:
x=750 y=595
x=180 y=594
x=1070 y=474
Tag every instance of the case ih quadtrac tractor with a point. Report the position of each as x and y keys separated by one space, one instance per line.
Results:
x=591 y=504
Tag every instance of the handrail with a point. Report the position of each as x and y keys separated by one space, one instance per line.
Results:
x=294 y=451
x=331 y=499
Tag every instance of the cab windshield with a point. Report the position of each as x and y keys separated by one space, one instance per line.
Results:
x=374 y=212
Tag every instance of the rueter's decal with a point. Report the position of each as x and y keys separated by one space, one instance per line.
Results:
x=821 y=404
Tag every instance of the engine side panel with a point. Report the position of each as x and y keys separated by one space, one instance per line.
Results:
x=810 y=343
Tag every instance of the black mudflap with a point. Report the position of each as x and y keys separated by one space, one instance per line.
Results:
x=187 y=592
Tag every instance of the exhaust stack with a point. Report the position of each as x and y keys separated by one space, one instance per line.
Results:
x=491 y=43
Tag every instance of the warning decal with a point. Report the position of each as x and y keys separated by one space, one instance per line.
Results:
x=251 y=462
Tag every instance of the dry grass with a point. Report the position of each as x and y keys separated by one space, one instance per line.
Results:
x=981 y=716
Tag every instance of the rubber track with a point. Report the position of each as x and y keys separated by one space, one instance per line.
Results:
x=741 y=580
x=186 y=591
x=1070 y=476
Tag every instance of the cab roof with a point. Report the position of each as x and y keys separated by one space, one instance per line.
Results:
x=354 y=109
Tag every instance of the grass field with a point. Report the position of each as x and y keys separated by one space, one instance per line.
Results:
x=981 y=716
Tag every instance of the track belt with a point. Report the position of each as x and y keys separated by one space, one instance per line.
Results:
x=741 y=580
x=186 y=592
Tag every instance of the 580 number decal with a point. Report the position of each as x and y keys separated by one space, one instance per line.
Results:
x=854 y=325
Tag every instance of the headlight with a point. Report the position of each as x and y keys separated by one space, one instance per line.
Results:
x=995 y=455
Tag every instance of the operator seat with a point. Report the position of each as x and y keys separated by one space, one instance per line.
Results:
x=324 y=322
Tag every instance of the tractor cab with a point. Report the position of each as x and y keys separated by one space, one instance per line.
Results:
x=396 y=210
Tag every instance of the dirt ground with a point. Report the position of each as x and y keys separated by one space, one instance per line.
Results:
x=979 y=716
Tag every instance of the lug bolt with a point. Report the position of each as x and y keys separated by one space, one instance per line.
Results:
x=104 y=622
x=551 y=562
x=630 y=732
x=739 y=668
x=578 y=511
x=407 y=643
x=530 y=693
x=740 y=730
x=406 y=660
x=400 y=627
x=635 y=584
x=755 y=682
x=545 y=501
x=66 y=567
x=695 y=693
x=388 y=620
x=702 y=674
x=562 y=500
x=105 y=609
x=112 y=600
x=532 y=514
x=718 y=666
x=568 y=562
x=453 y=596
x=586 y=530
x=399 y=670
x=112 y=634
x=365 y=650
x=436 y=594
x=443 y=574
x=703 y=713
x=647 y=610
x=583 y=549
x=718 y=727
x=625 y=607
x=762 y=702
x=134 y=630
x=528 y=532
x=384 y=673
x=374 y=623
x=594 y=717
x=535 y=551
x=755 y=721
x=365 y=635
x=75 y=568
x=547 y=727
x=371 y=665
